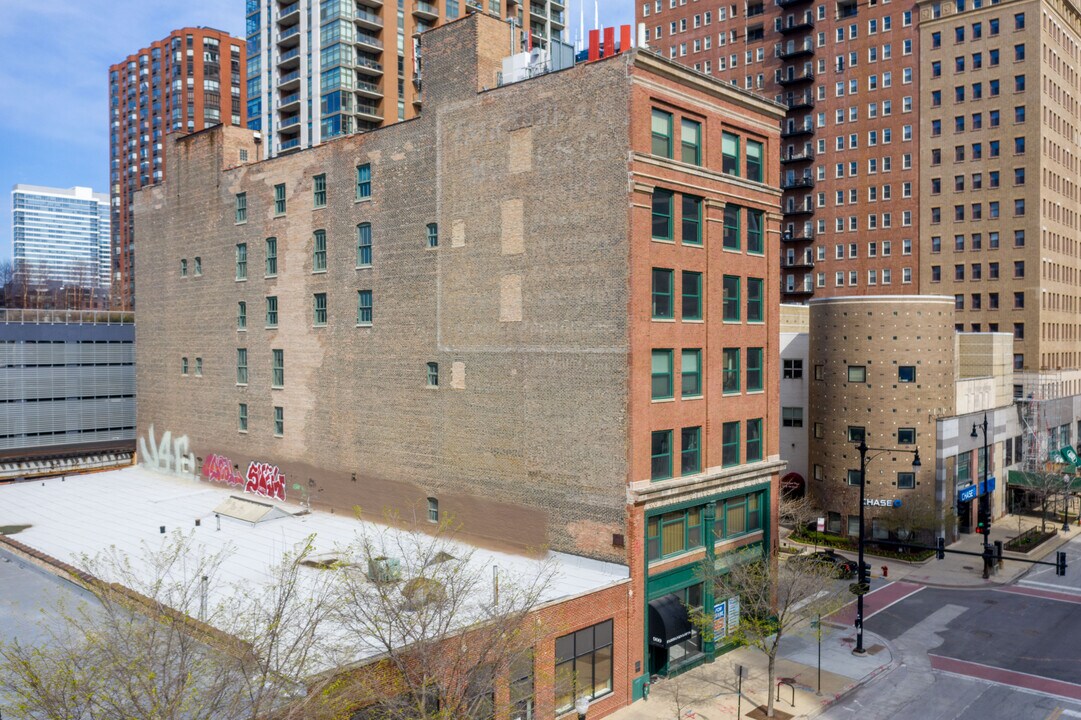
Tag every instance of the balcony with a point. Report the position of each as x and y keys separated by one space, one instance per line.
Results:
x=287 y=102
x=798 y=290
x=557 y=19
x=368 y=89
x=289 y=122
x=795 y=236
x=794 y=157
x=794 y=49
x=537 y=11
x=289 y=81
x=791 y=183
x=369 y=41
x=289 y=10
x=797 y=263
x=797 y=101
x=796 y=209
x=289 y=35
x=289 y=55
x=795 y=130
x=369 y=111
x=790 y=3
x=425 y=10
x=377 y=4
x=367 y=19
x=798 y=25
x=287 y=145
x=368 y=66
x=793 y=79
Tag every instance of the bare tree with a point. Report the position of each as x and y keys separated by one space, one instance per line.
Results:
x=7 y=284
x=776 y=600
x=1045 y=487
x=798 y=512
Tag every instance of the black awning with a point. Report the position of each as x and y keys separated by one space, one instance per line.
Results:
x=668 y=621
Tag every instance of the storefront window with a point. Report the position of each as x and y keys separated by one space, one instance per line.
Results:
x=673 y=533
x=583 y=665
x=689 y=649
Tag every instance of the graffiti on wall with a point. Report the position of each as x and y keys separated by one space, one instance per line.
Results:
x=266 y=480
x=218 y=468
x=170 y=455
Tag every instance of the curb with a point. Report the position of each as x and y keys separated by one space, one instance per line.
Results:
x=879 y=671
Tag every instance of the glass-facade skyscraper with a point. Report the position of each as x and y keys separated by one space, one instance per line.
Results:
x=61 y=235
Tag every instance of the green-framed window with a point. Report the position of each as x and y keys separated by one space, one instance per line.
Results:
x=662 y=214
x=730 y=444
x=730 y=238
x=755 y=243
x=662 y=290
x=277 y=368
x=271 y=311
x=319 y=251
x=433 y=235
x=319 y=309
x=690 y=450
x=241 y=207
x=690 y=369
x=738 y=515
x=730 y=370
x=755 y=160
x=242 y=261
x=271 y=256
x=661 y=455
x=692 y=295
x=279 y=421
x=661 y=126
x=364 y=245
x=755 y=300
x=364 y=181
x=673 y=533
x=319 y=191
x=433 y=374
x=242 y=366
x=364 y=307
x=279 y=199
x=754 y=369
x=662 y=375
x=690 y=141
x=692 y=220
x=730 y=153
x=730 y=298
x=242 y=417
x=754 y=440
x=241 y=315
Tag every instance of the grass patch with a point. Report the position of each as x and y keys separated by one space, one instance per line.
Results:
x=12 y=529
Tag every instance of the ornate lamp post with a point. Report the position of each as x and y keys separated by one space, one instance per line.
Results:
x=862 y=571
x=984 y=508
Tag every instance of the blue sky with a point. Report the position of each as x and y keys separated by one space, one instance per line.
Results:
x=54 y=67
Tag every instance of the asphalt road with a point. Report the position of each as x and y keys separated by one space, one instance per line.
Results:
x=1043 y=576
x=989 y=654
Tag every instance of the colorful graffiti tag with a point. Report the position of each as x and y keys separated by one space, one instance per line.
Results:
x=217 y=468
x=266 y=480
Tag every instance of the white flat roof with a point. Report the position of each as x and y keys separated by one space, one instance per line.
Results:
x=86 y=514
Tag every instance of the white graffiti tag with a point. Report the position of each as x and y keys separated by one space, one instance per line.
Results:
x=171 y=456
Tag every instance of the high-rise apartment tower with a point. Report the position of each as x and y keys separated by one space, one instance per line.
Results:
x=60 y=236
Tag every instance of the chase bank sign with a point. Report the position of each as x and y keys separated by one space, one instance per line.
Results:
x=881 y=502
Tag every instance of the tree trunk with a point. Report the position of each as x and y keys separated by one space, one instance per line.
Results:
x=772 y=678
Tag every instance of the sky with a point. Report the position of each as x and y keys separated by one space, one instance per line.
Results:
x=54 y=70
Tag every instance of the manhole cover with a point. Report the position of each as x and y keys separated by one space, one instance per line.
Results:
x=875 y=649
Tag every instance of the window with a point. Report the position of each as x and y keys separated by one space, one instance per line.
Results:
x=364 y=181
x=692 y=295
x=754 y=161
x=319 y=252
x=521 y=687
x=241 y=366
x=755 y=304
x=906 y=480
x=320 y=309
x=271 y=311
x=730 y=239
x=583 y=665
x=730 y=444
x=662 y=133
x=242 y=261
x=691 y=373
x=690 y=460
x=729 y=153
x=433 y=510
x=730 y=298
x=433 y=374
x=792 y=369
x=364 y=245
x=857 y=373
x=433 y=235
x=661 y=455
x=1019 y=21
x=906 y=374
x=662 y=375
x=754 y=369
x=662 y=293
x=241 y=315
x=792 y=417
x=183 y=366
x=271 y=256
x=183 y=267
x=279 y=199
x=673 y=533
x=692 y=220
x=662 y=214
x=755 y=244
x=241 y=208
x=277 y=368
x=364 y=307
x=242 y=417
x=690 y=141
x=279 y=421
x=754 y=440
x=319 y=191
x=730 y=370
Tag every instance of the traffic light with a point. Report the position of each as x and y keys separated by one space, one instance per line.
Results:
x=1060 y=563
x=940 y=553
x=981 y=529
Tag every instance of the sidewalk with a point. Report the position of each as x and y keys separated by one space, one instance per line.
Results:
x=708 y=692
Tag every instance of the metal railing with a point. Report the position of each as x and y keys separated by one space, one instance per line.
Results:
x=52 y=317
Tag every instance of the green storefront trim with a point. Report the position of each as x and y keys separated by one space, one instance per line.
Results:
x=664 y=582
x=1019 y=478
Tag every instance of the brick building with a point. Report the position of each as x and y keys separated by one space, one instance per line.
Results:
x=548 y=308
x=187 y=81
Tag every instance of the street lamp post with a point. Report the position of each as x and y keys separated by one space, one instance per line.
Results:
x=1066 y=503
x=984 y=506
x=862 y=571
x=581 y=706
